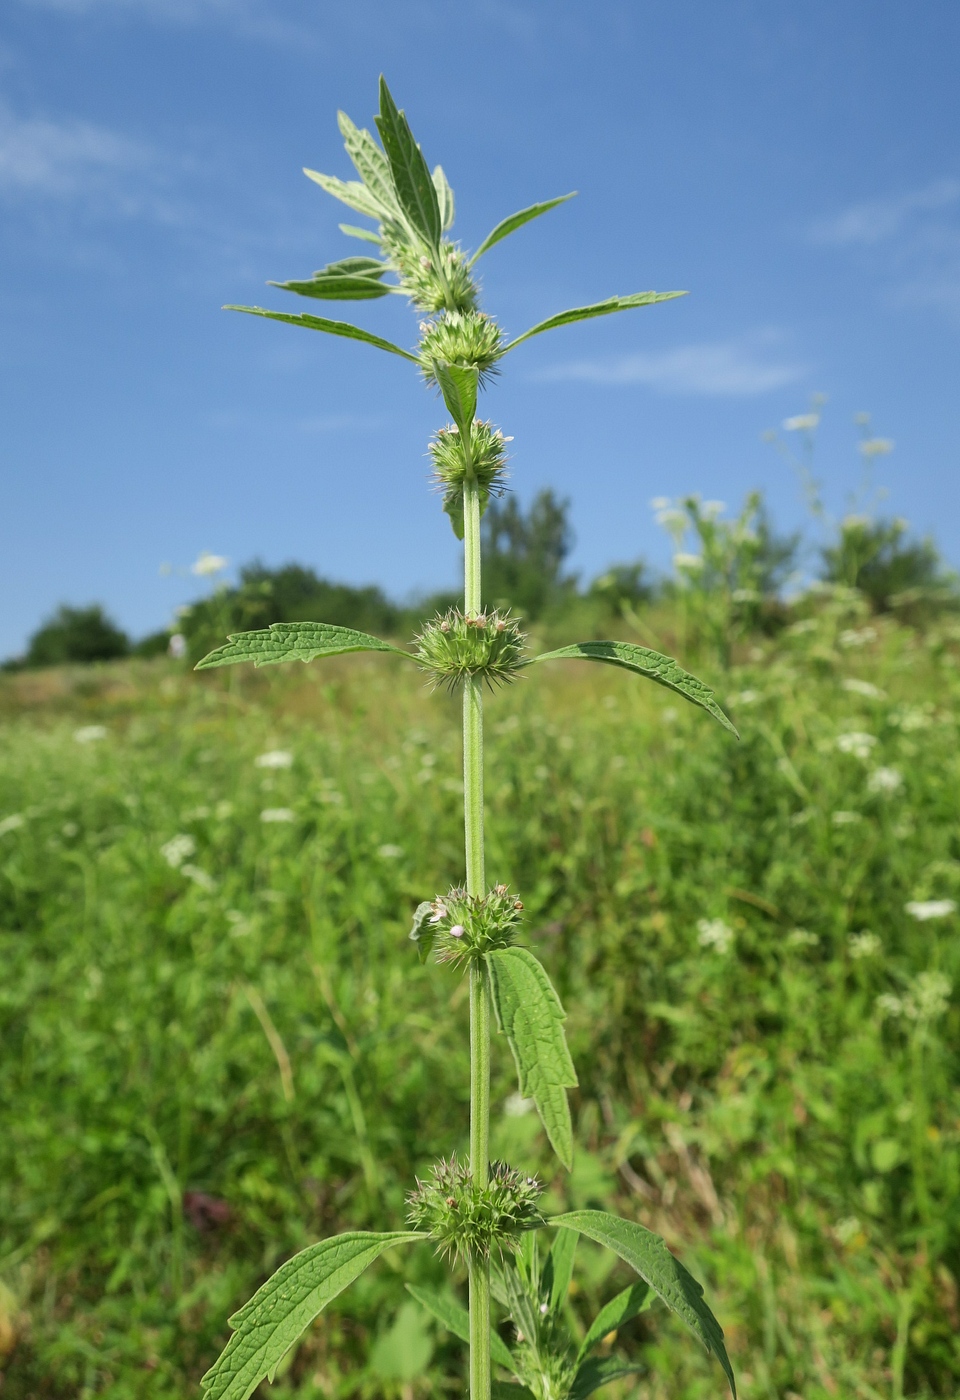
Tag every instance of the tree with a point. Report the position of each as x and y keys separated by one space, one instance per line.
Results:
x=524 y=554
x=76 y=635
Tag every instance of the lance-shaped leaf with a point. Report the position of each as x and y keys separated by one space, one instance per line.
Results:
x=633 y=1300
x=444 y=197
x=371 y=164
x=458 y=385
x=349 y=192
x=649 y=1256
x=599 y=1371
x=558 y=1270
x=530 y=1015
x=422 y=932
x=457 y=1320
x=599 y=308
x=337 y=286
x=320 y=323
x=367 y=234
x=644 y=662
x=266 y=1328
x=412 y=181
x=514 y=221
x=293 y=641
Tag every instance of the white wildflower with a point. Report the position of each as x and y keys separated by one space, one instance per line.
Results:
x=90 y=733
x=851 y=637
x=889 y=1005
x=390 y=852
x=711 y=509
x=845 y=818
x=865 y=688
x=924 y=909
x=672 y=519
x=802 y=938
x=12 y=823
x=207 y=564
x=929 y=996
x=885 y=780
x=274 y=758
x=198 y=876
x=694 y=562
x=801 y=423
x=178 y=849
x=856 y=743
x=714 y=933
x=660 y=503
x=177 y=646
x=516 y=1106
x=277 y=814
x=864 y=945
x=876 y=446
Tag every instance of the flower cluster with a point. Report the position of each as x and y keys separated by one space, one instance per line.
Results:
x=484 y=456
x=431 y=280
x=454 y=646
x=470 y=1220
x=461 y=927
x=461 y=338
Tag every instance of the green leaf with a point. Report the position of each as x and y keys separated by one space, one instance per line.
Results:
x=266 y=1328
x=599 y=1371
x=421 y=933
x=558 y=1270
x=457 y=1320
x=515 y=221
x=458 y=385
x=633 y=1300
x=350 y=192
x=357 y=266
x=367 y=234
x=599 y=308
x=531 y=1016
x=444 y=197
x=649 y=1256
x=337 y=287
x=411 y=175
x=644 y=662
x=509 y=1390
x=320 y=323
x=371 y=164
x=293 y=641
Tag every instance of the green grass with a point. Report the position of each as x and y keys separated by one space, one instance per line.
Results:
x=253 y=1023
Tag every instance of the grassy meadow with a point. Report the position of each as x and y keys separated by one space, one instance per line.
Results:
x=219 y=1046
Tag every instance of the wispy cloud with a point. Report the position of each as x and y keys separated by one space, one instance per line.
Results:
x=63 y=158
x=723 y=369
x=261 y=20
x=879 y=220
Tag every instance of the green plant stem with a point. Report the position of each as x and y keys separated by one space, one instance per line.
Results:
x=479 y=977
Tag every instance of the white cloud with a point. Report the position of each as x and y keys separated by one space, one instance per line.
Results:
x=726 y=369
x=65 y=158
x=878 y=220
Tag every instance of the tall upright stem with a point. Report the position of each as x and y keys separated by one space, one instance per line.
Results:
x=479 y=977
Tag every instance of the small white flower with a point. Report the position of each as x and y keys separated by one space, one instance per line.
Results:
x=858 y=687
x=714 y=933
x=90 y=733
x=177 y=646
x=12 y=823
x=864 y=945
x=853 y=638
x=198 y=876
x=672 y=519
x=516 y=1106
x=178 y=849
x=885 y=780
x=876 y=447
x=277 y=814
x=660 y=503
x=688 y=561
x=274 y=758
x=457 y=931
x=924 y=909
x=746 y=697
x=802 y=938
x=930 y=996
x=889 y=1005
x=845 y=818
x=390 y=852
x=801 y=423
x=856 y=743
x=711 y=509
x=207 y=564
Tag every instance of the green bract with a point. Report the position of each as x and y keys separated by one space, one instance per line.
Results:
x=483 y=1213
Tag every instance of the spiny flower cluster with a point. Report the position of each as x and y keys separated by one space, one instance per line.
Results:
x=461 y=338
x=431 y=280
x=463 y=927
x=454 y=646
x=469 y=1220
x=483 y=456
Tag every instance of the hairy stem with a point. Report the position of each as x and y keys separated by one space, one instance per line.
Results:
x=479 y=978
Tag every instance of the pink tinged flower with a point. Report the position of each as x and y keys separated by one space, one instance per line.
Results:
x=457 y=931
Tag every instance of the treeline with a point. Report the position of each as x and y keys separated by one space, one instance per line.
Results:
x=731 y=582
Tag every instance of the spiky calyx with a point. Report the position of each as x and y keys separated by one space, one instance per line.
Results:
x=471 y=1221
x=434 y=281
x=470 y=338
x=483 y=456
x=453 y=647
x=462 y=928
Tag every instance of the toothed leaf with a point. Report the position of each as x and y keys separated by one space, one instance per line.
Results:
x=293 y=641
x=649 y=1256
x=530 y=1015
x=558 y=1270
x=644 y=662
x=266 y=1328
x=371 y=164
x=633 y=1300
x=599 y=308
x=458 y=385
x=367 y=234
x=415 y=189
x=350 y=192
x=320 y=323
x=328 y=286
x=514 y=221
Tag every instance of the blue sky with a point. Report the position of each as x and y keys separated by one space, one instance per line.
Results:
x=795 y=166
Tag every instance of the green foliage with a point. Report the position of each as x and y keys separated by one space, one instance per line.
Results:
x=460 y=927
x=321 y=323
x=415 y=190
x=530 y=1015
x=524 y=553
x=452 y=647
x=268 y=1325
x=626 y=1305
x=587 y=313
x=514 y=221
x=466 y=1219
x=879 y=559
x=644 y=662
x=293 y=641
x=76 y=635
x=457 y=1320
